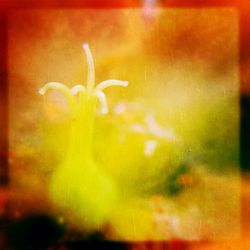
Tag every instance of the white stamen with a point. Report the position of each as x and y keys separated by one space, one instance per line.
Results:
x=59 y=87
x=91 y=67
x=157 y=130
x=149 y=147
x=78 y=88
x=108 y=83
x=103 y=101
x=41 y=91
x=54 y=86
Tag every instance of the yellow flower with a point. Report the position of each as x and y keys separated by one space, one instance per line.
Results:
x=79 y=187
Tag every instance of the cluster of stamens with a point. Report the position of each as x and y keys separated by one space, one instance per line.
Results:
x=89 y=91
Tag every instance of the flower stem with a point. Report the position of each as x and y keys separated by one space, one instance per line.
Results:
x=81 y=141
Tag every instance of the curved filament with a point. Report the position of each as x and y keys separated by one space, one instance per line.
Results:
x=103 y=101
x=62 y=88
x=78 y=89
x=108 y=83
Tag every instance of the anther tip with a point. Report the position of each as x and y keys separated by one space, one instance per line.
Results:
x=104 y=110
x=85 y=45
x=41 y=91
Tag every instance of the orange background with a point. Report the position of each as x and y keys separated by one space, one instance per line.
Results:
x=243 y=7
